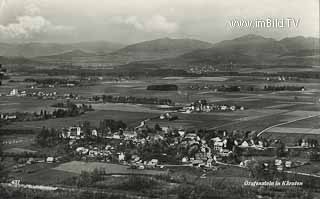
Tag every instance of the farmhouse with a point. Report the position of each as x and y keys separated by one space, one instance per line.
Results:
x=72 y=133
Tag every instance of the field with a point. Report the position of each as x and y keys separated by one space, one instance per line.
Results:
x=263 y=109
x=41 y=173
x=77 y=167
x=132 y=119
x=24 y=104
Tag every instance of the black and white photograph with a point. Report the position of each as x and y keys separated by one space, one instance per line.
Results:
x=159 y=99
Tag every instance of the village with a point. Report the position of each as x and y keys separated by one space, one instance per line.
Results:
x=159 y=147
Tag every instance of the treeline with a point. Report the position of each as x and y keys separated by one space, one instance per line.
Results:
x=51 y=81
x=64 y=110
x=112 y=125
x=48 y=137
x=70 y=105
x=246 y=88
x=71 y=110
x=133 y=100
x=283 y=88
x=111 y=73
x=51 y=137
x=163 y=87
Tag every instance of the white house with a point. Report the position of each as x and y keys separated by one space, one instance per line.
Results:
x=94 y=132
x=121 y=157
x=50 y=159
x=74 y=132
x=244 y=144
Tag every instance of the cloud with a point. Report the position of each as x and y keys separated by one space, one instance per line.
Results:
x=156 y=23
x=28 y=27
x=28 y=23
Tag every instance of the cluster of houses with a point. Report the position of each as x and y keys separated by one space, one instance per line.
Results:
x=278 y=78
x=42 y=95
x=168 y=116
x=204 y=106
x=15 y=92
x=279 y=164
x=8 y=116
x=202 y=68
x=307 y=143
x=202 y=151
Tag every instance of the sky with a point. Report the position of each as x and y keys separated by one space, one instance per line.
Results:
x=131 y=21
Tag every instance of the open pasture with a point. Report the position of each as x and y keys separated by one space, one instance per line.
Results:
x=193 y=121
x=132 y=119
x=295 y=130
x=78 y=166
x=42 y=173
x=290 y=138
x=24 y=104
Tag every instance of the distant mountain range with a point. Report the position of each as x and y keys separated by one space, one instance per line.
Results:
x=249 y=49
x=148 y=50
x=29 y=50
x=254 y=49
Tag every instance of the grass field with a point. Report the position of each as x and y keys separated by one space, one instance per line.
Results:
x=24 y=104
x=132 y=119
x=78 y=166
x=290 y=138
x=42 y=173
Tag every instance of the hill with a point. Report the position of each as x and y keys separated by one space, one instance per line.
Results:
x=300 y=43
x=68 y=55
x=160 y=48
x=16 y=61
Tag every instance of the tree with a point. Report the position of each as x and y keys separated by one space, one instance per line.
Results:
x=280 y=149
x=157 y=127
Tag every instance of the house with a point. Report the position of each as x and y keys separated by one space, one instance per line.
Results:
x=181 y=132
x=121 y=157
x=116 y=136
x=94 y=132
x=154 y=162
x=201 y=156
x=244 y=144
x=50 y=159
x=129 y=134
x=93 y=153
x=197 y=163
x=192 y=136
x=184 y=160
x=225 y=152
x=157 y=137
x=209 y=163
x=82 y=150
x=217 y=144
x=74 y=133
x=223 y=107
x=14 y=92
x=135 y=158
x=288 y=164
x=166 y=130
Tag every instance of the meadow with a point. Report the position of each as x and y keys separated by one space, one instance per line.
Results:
x=110 y=169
